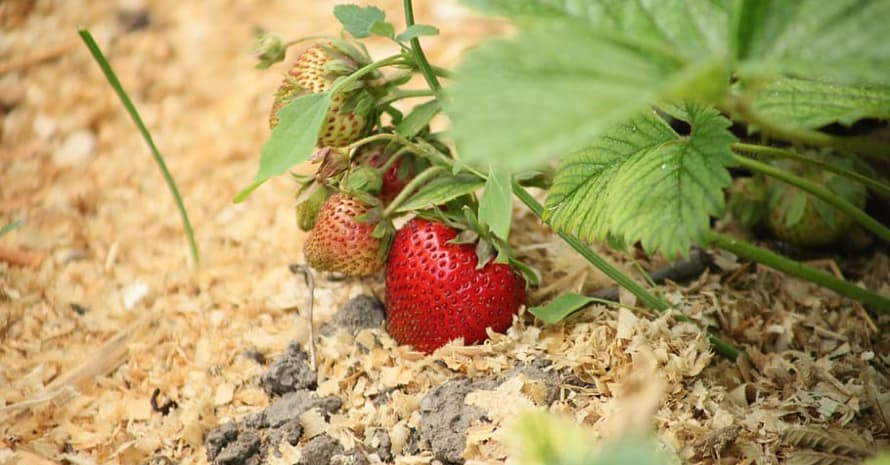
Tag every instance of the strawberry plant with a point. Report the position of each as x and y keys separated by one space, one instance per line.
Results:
x=643 y=107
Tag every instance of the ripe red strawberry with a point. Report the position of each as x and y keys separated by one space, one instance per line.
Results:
x=312 y=72
x=340 y=242
x=435 y=293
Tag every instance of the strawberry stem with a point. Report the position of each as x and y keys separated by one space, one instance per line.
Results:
x=776 y=261
x=422 y=63
x=723 y=347
x=871 y=183
x=741 y=107
x=412 y=186
x=392 y=160
x=361 y=72
x=819 y=192
x=403 y=94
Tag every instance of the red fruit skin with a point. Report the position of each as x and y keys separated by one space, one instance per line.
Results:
x=341 y=243
x=435 y=293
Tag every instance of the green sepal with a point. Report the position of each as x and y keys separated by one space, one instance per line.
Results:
x=268 y=48
x=361 y=178
x=307 y=210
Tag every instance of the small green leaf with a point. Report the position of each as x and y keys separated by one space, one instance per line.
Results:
x=496 y=206
x=441 y=190
x=293 y=140
x=812 y=104
x=644 y=182
x=417 y=30
x=419 y=117
x=795 y=210
x=11 y=227
x=383 y=29
x=531 y=274
x=359 y=21
x=561 y=307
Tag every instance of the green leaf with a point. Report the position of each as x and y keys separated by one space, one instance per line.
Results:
x=537 y=437
x=11 y=227
x=383 y=29
x=359 y=21
x=796 y=209
x=643 y=181
x=842 y=41
x=561 y=307
x=440 y=190
x=812 y=104
x=293 y=140
x=691 y=28
x=496 y=206
x=417 y=30
x=519 y=103
x=419 y=117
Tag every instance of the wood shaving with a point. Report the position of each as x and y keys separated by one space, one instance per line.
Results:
x=112 y=310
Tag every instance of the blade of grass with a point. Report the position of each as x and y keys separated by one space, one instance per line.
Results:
x=11 y=227
x=159 y=159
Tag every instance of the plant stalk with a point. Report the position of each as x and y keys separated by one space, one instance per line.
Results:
x=146 y=135
x=819 y=192
x=409 y=189
x=361 y=72
x=721 y=346
x=778 y=262
x=428 y=74
x=871 y=183
x=869 y=148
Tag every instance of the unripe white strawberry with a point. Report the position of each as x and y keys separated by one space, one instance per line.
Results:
x=315 y=71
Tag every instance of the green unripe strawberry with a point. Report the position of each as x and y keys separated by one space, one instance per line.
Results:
x=799 y=218
x=315 y=71
x=341 y=242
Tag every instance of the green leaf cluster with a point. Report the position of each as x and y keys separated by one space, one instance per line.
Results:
x=580 y=78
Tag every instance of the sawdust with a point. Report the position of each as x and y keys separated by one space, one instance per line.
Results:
x=104 y=318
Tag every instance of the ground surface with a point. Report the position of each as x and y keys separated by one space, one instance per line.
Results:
x=100 y=308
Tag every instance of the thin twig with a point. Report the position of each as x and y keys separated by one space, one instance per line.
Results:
x=310 y=284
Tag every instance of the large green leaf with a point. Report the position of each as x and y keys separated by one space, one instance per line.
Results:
x=813 y=104
x=519 y=103
x=693 y=28
x=293 y=140
x=643 y=181
x=839 y=40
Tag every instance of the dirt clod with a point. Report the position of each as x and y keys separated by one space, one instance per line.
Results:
x=384 y=449
x=294 y=404
x=320 y=450
x=537 y=371
x=289 y=372
x=230 y=445
x=445 y=418
x=363 y=311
